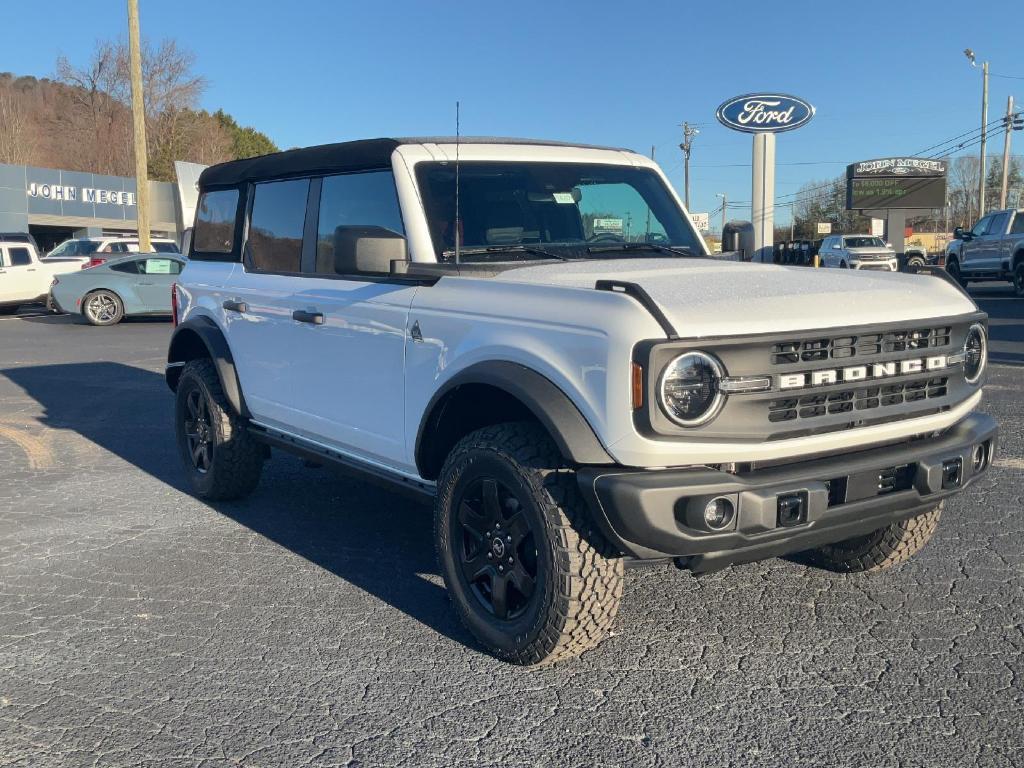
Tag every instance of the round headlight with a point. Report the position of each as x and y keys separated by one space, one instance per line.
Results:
x=975 y=354
x=689 y=389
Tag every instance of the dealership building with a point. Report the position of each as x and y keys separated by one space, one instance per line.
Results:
x=54 y=205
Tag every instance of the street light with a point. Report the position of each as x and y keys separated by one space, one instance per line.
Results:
x=725 y=204
x=969 y=53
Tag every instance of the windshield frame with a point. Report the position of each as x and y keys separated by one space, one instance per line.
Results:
x=677 y=226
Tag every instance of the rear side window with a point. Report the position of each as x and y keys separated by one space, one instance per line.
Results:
x=214 y=230
x=355 y=200
x=998 y=224
x=19 y=257
x=276 y=224
x=128 y=268
x=1018 y=225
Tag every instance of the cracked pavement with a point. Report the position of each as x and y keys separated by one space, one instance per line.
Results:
x=308 y=625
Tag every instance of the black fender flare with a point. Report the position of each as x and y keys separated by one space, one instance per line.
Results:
x=183 y=348
x=556 y=412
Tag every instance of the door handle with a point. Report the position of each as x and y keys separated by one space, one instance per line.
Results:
x=235 y=306
x=145 y=283
x=313 y=318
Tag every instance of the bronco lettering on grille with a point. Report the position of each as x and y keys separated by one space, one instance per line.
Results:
x=853 y=373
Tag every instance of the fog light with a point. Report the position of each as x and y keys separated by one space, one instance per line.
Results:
x=792 y=509
x=952 y=473
x=718 y=513
x=979 y=457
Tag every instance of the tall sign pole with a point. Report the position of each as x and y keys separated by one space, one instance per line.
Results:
x=139 y=126
x=762 y=206
x=984 y=131
x=764 y=115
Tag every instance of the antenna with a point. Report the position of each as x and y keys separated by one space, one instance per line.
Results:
x=458 y=222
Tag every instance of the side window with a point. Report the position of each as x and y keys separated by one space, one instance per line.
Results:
x=276 y=224
x=981 y=226
x=128 y=267
x=159 y=267
x=19 y=257
x=165 y=248
x=997 y=226
x=1018 y=224
x=354 y=200
x=214 y=230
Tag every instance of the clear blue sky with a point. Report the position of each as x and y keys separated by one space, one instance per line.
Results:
x=886 y=77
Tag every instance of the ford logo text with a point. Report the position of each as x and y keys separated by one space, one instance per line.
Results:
x=764 y=113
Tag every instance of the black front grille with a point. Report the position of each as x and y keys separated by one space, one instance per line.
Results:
x=866 y=345
x=861 y=399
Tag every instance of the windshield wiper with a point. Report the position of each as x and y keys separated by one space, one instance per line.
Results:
x=528 y=249
x=686 y=252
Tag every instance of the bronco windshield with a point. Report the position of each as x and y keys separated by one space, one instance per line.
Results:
x=558 y=208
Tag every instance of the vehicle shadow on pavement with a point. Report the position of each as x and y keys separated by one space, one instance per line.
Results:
x=379 y=541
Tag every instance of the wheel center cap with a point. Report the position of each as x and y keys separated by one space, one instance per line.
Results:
x=498 y=547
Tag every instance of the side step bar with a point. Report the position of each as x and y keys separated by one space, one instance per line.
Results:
x=321 y=454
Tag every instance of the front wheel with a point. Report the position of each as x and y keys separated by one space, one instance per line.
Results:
x=880 y=549
x=221 y=458
x=529 y=574
x=103 y=308
x=1018 y=279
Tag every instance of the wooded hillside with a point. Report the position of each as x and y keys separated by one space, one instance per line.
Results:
x=81 y=119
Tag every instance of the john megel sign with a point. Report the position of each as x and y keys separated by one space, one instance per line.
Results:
x=764 y=113
x=896 y=182
x=83 y=194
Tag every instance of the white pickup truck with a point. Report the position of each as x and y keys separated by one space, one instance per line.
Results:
x=25 y=278
x=535 y=336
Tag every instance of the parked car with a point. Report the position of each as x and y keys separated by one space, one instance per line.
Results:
x=19 y=237
x=857 y=252
x=24 y=277
x=993 y=249
x=139 y=284
x=100 y=249
x=534 y=336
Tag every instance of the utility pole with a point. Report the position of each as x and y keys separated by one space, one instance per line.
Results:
x=689 y=132
x=1006 y=150
x=139 y=126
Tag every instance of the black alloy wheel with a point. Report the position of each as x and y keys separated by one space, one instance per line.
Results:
x=1018 y=279
x=497 y=548
x=198 y=432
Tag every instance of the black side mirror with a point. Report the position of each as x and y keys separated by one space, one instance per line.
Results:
x=958 y=233
x=367 y=249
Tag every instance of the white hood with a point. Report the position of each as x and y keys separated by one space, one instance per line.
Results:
x=704 y=297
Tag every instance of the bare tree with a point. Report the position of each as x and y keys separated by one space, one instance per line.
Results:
x=962 y=190
x=17 y=143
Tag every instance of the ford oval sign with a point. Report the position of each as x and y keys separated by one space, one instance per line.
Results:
x=764 y=113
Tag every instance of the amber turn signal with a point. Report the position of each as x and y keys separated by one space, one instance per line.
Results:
x=638 y=386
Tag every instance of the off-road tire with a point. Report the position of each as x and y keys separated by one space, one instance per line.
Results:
x=237 y=459
x=880 y=549
x=577 y=596
x=1018 y=279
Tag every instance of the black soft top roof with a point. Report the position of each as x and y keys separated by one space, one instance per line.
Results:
x=343 y=157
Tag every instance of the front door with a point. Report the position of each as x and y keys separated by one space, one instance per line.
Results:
x=972 y=250
x=18 y=279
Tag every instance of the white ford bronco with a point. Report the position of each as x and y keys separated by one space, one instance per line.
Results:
x=534 y=335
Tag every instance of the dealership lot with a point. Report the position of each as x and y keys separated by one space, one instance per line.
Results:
x=308 y=624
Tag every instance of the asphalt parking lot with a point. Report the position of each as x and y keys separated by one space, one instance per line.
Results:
x=308 y=625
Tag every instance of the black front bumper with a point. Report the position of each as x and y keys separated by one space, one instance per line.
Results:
x=659 y=513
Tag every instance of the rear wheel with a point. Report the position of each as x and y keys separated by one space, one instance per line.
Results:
x=103 y=308
x=221 y=458
x=529 y=574
x=1018 y=278
x=880 y=549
